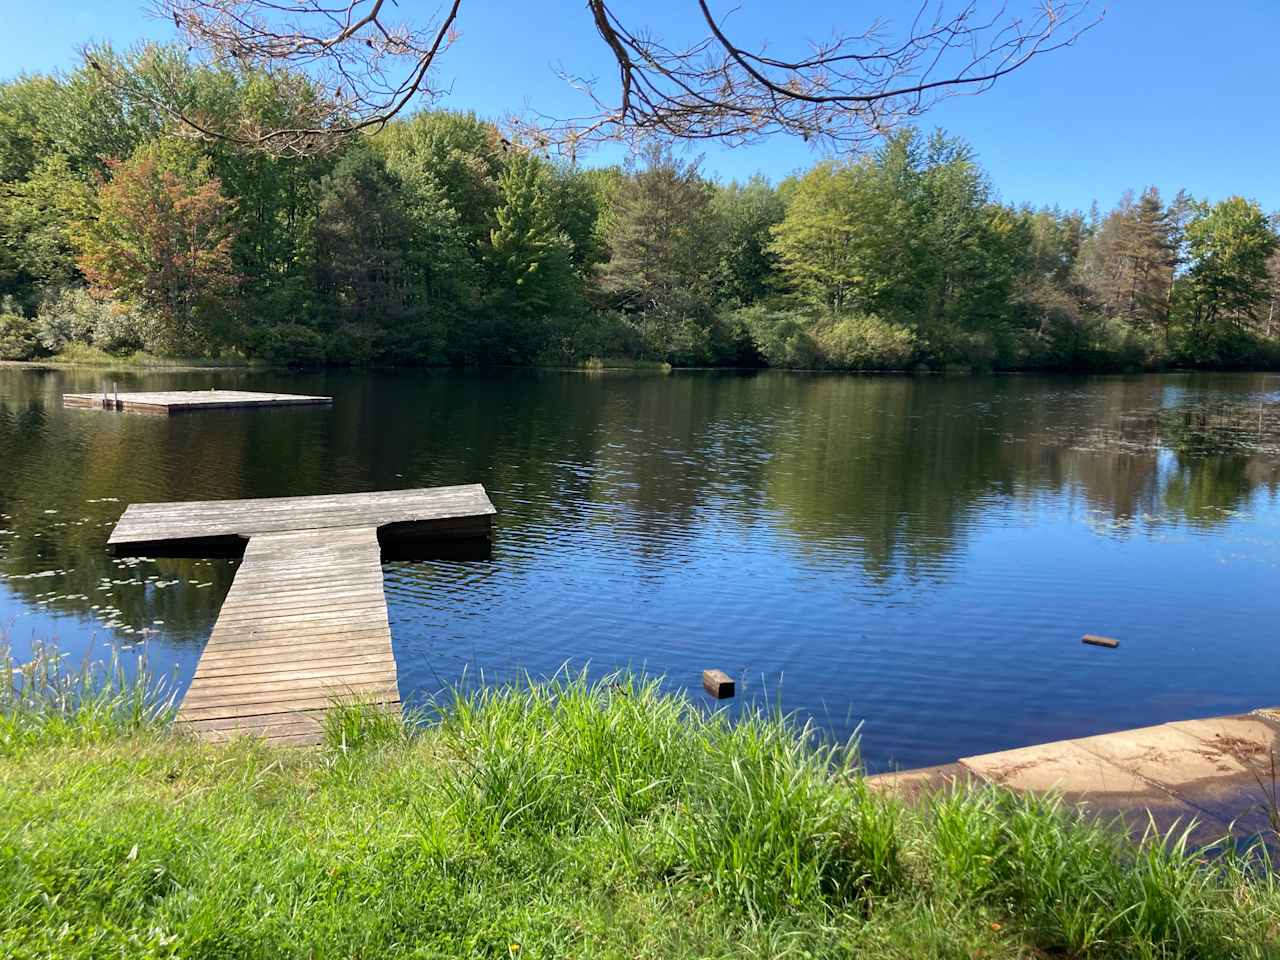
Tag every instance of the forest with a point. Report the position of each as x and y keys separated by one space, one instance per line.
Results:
x=437 y=240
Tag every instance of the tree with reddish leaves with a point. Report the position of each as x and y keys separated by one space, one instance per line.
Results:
x=161 y=239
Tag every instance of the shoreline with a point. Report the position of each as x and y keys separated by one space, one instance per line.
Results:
x=160 y=365
x=1209 y=777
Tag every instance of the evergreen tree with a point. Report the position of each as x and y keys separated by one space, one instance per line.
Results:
x=662 y=240
x=378 y=267
x=661 y=234
x=529 y=261
x=1128 y=264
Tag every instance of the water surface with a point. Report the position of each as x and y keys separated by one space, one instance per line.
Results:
x=918 y=555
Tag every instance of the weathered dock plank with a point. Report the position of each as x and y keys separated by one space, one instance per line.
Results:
x=187 y=401
x=435 y=513
x=283 y=695
x=305 y=621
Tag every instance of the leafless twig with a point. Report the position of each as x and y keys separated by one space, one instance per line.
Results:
x=842 y=91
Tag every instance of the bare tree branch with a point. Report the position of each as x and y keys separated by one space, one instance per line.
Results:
x=842 y=91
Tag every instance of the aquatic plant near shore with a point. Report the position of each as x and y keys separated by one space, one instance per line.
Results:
x=46 y=700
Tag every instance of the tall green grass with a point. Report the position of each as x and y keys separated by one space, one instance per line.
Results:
x=47 y=700
x=1079 y=886
x=76 y=354
x=570 y=818
x=352 y=724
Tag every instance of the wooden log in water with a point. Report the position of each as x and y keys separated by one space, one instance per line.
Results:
x=718 y=683
x=1096 y=641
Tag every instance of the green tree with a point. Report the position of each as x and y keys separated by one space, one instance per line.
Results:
x=909 y=234
x=1226 y=285
x=36 y=218
x=89 y=120
x=455 y=155
x=1054 y=241
x=661 y=233
x=745 y=214
x=968 y=247
x=823 y=241
x=52 y=133
x=662 y=243
x=19 y=339
x=276 y=197
x=24 y=138
x=161 y=239
x=1050 y=303
x=376 y=267
x=529 y=261
x=577 y=199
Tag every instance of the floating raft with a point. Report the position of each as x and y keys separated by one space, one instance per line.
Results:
x=188 y=401
x=304 y=624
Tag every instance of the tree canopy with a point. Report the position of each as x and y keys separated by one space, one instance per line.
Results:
x=436 y=240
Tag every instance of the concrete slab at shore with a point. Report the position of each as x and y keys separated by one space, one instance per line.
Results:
x=187 y=401
x=1217 y=772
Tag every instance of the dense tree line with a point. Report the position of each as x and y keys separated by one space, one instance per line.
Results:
x=436 y=240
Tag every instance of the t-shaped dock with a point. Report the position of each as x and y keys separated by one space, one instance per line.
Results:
x=305 y=620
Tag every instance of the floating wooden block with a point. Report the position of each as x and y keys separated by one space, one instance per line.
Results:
x=1097 y=641
x=717 y=683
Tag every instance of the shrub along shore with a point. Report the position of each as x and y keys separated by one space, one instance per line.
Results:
x=565 y=818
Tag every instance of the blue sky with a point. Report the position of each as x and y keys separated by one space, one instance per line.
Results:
x=1180 y=93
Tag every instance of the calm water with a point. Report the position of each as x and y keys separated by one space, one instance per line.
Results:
x=918 y=555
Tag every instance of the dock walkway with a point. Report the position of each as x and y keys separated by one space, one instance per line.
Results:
x=305 y=621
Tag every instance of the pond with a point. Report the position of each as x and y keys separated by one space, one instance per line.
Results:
x=914 y=556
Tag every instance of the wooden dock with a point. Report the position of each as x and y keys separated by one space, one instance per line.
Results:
x=435 y=513
x=305 y=621
x=188 y=401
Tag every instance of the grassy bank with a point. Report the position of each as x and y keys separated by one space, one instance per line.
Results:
x=565 y=819
x=78 y=355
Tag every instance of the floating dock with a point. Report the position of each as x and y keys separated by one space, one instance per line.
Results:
x=1217 y=773
x=189 y=401
x=305 y=622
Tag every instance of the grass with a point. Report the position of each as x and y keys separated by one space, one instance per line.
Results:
x=47 y=703
x=623 y=363
x=84 y=355
x=567 y=818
